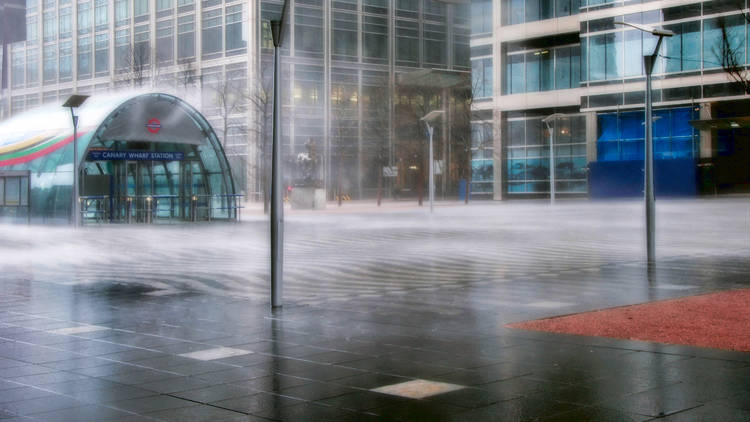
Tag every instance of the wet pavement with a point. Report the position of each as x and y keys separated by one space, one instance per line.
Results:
x=390 y=314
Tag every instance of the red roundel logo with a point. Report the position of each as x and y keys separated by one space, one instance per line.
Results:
x=153 y=125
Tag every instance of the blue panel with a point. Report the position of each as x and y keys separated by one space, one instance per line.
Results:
x=631 y=125
x=675 y=178
x=618 y=179
x=462 y=189
x=607 y=127
x=615 y=179
x=680 y=122
x=661 y=124
x=632 y=150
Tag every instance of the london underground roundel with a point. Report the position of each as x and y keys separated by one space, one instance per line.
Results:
x=153 y=125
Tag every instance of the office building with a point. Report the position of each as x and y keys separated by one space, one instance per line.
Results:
x=343 y=65
x=532 y=59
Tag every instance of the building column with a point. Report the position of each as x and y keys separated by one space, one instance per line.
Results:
x=497 y=156
x=591 y=152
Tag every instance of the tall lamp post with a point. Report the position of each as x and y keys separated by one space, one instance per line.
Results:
x=427 y=119
x=648 y=190
x=73 y=102
x=277 y=203
x=546 y=120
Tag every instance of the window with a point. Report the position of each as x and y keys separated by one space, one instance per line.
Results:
x=712 y=39
x=344 y=33
x=122 y=12
x=84 y=18
x=375 y=37
x=50 y=26
x=520 y=11
x=164 y=42
x=163 y=5
x=141 y=46
x=481 y=17
x=186 y=36
x=308 y=31
x=32 y=66
x=31 y=6
x=101 y=15
x=407 y=41
x=211 y=35
x=66 y=60
x=516 y=75
x=140 y=8
x=49 y=65
x=122 y=49
x=235 y=28
x=101 y=54
x=18 y=67
x=528 y=159
x=543 y=70
x=31 y=30
x=481 y=72
x=562 y=68
x=481 y=158
x=65 y=22
x=84 y=58
x=597 y=54
x=434 y=44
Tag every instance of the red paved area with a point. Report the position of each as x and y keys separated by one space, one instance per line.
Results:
x=717 y=320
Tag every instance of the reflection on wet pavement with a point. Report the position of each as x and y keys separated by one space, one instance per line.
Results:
x=171 y=322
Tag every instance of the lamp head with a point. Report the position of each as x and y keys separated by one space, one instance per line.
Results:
x=75 y=101
x=434 y=114
x=654 y=31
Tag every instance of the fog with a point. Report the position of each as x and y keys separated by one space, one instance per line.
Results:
x=361 y=250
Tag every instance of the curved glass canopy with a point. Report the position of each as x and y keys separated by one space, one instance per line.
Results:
x=144 y=157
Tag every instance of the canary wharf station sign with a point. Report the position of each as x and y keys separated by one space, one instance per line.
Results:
x=104 y=155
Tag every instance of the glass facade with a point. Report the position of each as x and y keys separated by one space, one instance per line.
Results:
x=523 y=11
x=620 y=136
x=527 y=155
x=482 y=164
x=481 y=74
x=696 y=45
x=189 y=48
x=543 y=70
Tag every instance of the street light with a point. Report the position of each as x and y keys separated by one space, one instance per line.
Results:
x=546 y=121
x=429 y=117
x=73 y=102
x=648 y=63
x=277 y=204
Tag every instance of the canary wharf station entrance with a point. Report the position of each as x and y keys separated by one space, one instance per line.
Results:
x=149 y=158
x=160 y=187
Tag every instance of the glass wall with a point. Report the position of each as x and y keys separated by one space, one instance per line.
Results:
x=527 y=155
x=613 y=53
x=482 y=164
x=522 y=11
x=481 y=17
x=481 y=74
x=543 y=70
x=620 y=136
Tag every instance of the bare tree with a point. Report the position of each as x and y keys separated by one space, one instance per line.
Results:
x=260 y=103
x=134 y=66
x=731 y=52
x=462 y=133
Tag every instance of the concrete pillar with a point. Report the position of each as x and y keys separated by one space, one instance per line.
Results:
x=498 y=164
x=591 y=136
